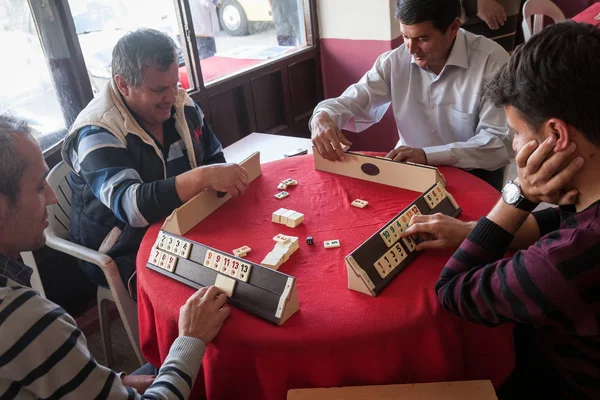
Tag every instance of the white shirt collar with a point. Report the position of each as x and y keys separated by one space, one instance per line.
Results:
x=458 y=54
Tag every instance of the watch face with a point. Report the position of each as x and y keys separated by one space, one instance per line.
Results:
x=511 y=193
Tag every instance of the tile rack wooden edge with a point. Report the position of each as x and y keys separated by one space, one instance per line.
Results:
x=287 y=298
x=358 y=278
x=184 y=218
x=410 y=176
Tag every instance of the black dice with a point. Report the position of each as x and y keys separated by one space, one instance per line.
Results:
x=310 y=240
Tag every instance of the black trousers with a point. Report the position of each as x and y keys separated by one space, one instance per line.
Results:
x=494 y=178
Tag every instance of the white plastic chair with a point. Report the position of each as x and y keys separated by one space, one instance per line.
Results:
x=57 y=235
x=36 y=281
x=538 y=9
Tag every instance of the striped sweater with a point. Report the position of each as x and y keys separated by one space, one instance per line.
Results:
x=554 y=286
x=43 y=355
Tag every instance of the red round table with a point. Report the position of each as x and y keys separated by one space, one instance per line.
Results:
x=338 y=337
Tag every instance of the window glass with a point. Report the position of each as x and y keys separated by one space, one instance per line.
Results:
x=101 y=23
x=233 y=35
x=27 y=89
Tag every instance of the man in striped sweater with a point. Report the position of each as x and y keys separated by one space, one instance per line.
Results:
x=42 y=352
x=551 y=286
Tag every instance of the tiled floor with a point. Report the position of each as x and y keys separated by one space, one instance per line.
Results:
x=124 y=359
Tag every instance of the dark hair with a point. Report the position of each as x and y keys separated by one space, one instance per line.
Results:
x=12 y=165
x=556 y=74
x=441 y=13
x=141 y=49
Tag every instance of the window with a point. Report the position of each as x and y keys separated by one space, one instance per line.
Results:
x=100 y=24
x=232 y=35
x=27 y=87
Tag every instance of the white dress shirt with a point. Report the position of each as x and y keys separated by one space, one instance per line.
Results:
x=443 y=114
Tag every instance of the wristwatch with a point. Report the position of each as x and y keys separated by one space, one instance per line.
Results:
x=513 y=196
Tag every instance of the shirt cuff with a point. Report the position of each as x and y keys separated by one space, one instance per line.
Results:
x=491 y=237
x=439 y=155
x=548 y=220
x=311 y=118
x=189 y=350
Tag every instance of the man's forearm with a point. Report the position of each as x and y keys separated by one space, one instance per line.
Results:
x=191 y=183
x=510 y=218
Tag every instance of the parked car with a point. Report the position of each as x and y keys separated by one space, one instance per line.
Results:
x=235 y=16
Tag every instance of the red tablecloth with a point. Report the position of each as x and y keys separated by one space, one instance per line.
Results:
x=588 y=15
x=339 y=337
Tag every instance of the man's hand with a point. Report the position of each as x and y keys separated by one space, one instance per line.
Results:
x=408 y=154
x=327 y=137
x=230 y=178
x=138 y=382
x=438 y=231
x=492 y=13
x=544 y=173
x=203 y=314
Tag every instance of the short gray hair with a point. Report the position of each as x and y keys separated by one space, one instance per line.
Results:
x=12 y=166
x=142 y=49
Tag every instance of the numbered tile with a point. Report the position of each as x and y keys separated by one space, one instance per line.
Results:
x=162 y=243
x=395 y=234
x=226 y=265
x=282 y=186
x=171 y=263
x=440 y=191
x=401 y=253
x=436 y=198
x=218 y=263
x=429 y=200
x=387 y=238
x=394 y=257
x=177 y=246
x=415 y=210
x=398 y=225
x=410 y=243
x=184 y=249
x=405 y=221
x=330 y=244
x=244 y=273
x=281 y=195
x=164 y=257
x=209 y=259
x=389 y=262
x=155 y=256
x=170 y=243
x=381 y=269
x=359 y=203
x=234 y=271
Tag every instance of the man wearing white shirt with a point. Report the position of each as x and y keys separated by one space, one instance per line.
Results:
x=434 y=84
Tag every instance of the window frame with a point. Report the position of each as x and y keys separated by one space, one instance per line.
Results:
x=72 y=81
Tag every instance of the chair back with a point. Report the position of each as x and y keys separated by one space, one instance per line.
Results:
x=59 y=214
x=536 y=10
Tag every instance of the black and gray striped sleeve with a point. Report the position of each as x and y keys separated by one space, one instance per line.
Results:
x=44 y=355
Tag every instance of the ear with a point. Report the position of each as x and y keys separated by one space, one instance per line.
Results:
x=453 y=28
x=122 y=85
x=559 y=129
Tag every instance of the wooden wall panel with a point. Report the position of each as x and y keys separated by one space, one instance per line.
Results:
x=268 y=96
x=304 y=93
x=229 y=115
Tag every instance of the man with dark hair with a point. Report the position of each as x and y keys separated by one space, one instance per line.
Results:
x=139 y=150
x=434 y=84
x=550 y=287
x=42 y=353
